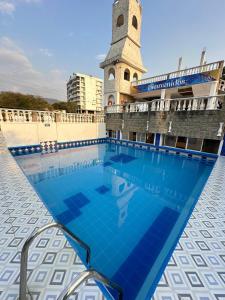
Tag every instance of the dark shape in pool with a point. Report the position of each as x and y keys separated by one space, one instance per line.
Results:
x=77 y=201
x=124 y=158
x=107 y=164
x=74 y=204
x=68 y=216
x=102 y=189
x=122 y=187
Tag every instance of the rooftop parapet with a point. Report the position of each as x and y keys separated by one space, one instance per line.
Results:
x=167 y=105
x=29 y=116
x=207 y=68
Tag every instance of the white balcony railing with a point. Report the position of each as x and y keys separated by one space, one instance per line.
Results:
x=181 y=104
x=222 y=85
x=29 y=116
x=176 y=74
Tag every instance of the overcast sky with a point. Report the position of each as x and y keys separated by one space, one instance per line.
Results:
x=43 y=41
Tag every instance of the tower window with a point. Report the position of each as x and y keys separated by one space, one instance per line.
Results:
x=120 y=21
x=135 y=77
x=127 y=75
x=111 y=74
x=135 y=22
x=111 y=100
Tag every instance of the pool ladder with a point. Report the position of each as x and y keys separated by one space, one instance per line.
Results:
x=81 y=278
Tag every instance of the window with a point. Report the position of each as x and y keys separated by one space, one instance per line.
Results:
x=181 y=142
x=169 y=141
x=150 y=138
x=111 y=100
x=211 y=146
x=127 y=75
x=135 y=22
x=135 y=77
x=120 y=21
x=133 y=136
x=111 y=74
x=112 y=134
x=194 y=144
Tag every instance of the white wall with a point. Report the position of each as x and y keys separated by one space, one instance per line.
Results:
x=25 y=134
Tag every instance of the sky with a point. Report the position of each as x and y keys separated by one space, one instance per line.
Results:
x=42 y=42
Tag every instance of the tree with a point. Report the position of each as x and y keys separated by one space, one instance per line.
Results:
x=20 y=101
x=69 y=107
x=30 y=102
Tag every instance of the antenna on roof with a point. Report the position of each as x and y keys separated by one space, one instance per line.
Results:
x=180 y=63
x=203 y=57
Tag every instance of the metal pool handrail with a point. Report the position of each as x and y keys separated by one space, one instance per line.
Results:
x=83 y=277
x=24 y=253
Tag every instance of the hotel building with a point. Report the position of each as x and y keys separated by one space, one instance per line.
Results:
x=86 y=91
x=184 y=108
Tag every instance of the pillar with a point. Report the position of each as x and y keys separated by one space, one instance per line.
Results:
x=212 y=102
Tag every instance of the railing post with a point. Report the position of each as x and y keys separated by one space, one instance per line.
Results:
x=212 y=99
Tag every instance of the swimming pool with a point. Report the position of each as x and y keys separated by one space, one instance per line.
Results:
x=130 y=206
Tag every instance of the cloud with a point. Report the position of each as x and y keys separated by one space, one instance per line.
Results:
x=71 y=34
x=7 y=8
x=100 y=56
x=46 y=52
x=30 y=1
x=18 y=74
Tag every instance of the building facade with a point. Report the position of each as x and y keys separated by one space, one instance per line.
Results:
x=86 y=91
x=183 y=109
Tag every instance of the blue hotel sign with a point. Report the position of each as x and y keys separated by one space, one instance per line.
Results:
x=175 y=82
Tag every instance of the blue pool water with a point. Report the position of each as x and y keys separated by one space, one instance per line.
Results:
x=130 y=206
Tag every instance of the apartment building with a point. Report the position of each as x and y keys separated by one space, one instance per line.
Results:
x=86 y=90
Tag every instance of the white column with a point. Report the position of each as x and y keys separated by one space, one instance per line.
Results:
x=162 y=102
x=220 y=131
x=163 y=94
x=213 y=91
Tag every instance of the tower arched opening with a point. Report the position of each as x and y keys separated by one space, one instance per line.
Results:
x=111 y=100
x=127 y=75
x=135 y=77
x=120 y=21
x=111 y=74
x=135 y=22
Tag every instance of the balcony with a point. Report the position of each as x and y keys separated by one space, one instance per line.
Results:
x=191 y=71
x=167 y=105
x=222 y=85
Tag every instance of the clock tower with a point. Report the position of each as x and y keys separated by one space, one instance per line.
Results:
x=123 y=64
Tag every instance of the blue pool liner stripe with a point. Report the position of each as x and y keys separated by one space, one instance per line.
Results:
x=102 y=189
x=77 y=201
x=149 y=246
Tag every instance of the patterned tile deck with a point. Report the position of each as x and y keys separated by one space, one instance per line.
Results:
x=195 y=271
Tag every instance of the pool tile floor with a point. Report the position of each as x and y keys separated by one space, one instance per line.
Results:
x=196 y=270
